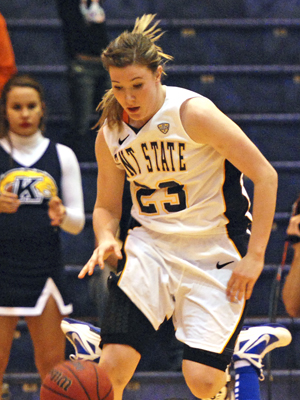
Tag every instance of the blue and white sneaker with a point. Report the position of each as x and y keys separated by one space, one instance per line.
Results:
x=253 y=343
x=84 y=337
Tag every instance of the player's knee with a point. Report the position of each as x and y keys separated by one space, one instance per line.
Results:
x=119 y=381
x=202 y=389
x=203 y=381
x=201 y=386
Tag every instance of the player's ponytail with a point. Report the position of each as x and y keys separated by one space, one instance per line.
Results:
x=137 y=47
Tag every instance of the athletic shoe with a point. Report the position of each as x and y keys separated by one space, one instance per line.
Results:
x=253 y=343
x=84 y=337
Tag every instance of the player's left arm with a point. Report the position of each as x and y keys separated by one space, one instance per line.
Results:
x=206 y=124
x=72 y=194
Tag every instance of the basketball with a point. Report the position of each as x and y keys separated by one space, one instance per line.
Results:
x=77 y=380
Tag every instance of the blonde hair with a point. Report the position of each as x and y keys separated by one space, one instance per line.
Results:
x=136 y=47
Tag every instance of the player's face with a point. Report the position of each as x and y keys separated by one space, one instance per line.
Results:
x=24 y=110
x=138 y=90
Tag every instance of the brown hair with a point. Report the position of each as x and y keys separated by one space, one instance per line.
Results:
x=19 y=80
x=136 y=47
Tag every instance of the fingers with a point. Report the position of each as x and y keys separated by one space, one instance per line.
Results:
x=238 y=289
x=249 y=290
x=87 y=269
x=8 y=194
x=118 y=252
x=233 y=291
x=100 y=254
x=245 y=274
x=13 y=206
x=9 y=202
x=56 y=211
x=10 y=188
x=54 y=203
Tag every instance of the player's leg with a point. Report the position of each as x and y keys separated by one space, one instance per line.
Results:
x=203 y=381
x=205 y=320
x=86 y=338
x=252 y=345
x=7 y=328
x=48 y=339
x=207 y=373
x=120 y=362
x=125 y=333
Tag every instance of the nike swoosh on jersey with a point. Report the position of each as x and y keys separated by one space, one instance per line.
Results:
x=122 y=141
x=219 y=266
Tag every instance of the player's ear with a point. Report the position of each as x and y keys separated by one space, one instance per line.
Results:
x=158 y=73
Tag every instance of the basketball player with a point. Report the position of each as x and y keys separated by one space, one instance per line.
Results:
x=35 y=175
x=189 y=254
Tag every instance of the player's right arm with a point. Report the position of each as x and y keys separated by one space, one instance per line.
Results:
x=108 y=207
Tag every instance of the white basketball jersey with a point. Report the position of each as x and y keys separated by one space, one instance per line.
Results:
x=178 y=185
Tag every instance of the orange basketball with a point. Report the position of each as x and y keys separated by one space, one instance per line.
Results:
x=77 y=380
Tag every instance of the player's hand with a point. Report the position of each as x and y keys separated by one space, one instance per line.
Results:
x=100 y=254
x=293 y=228
x=243 y=278
x=9 y=202
x=56 y=211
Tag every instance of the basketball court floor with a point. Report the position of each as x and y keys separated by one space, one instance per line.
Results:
x=163 y=386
